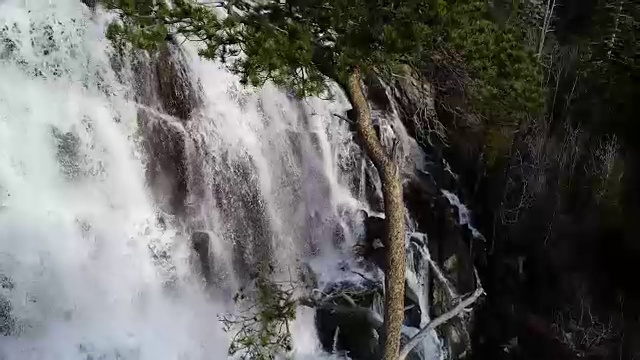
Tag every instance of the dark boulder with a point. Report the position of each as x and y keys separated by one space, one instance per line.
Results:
x=349 y=332
x=372 y=247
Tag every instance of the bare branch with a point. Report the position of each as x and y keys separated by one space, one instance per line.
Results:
x=548 y=18
x=457 y=310
x=344 y=118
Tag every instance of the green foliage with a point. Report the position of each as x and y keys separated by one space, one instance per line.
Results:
x=296 y=44
x=138 y=25
x=505 y=79
x=608 y=74
x=261 y=330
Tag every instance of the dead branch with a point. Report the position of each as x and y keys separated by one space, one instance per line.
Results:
x=330 y=302
x=457 y=310
x=582 y=331
x=346 y=119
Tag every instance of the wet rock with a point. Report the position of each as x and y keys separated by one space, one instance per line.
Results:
x=419 y=197
x=166 y=169
x=164 y=82
x=376 y=93
x=91 y=4
x=416 y=292
x=5 y=282
x=307 y=277
x=412 y=314
x=338 y=235
x=177 y=93
x=200 y=242
x=68 y=152
x=350 y=333
x=372 y=193
x=372 y=248
x=238 y=196
x=353 y=333
x=374 y=229
x=164 y=86
x=7 y=321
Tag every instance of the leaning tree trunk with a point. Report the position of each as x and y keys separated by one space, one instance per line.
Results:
x=394 y=218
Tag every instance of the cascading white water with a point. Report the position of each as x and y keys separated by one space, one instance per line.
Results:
x=292 y=149
x=87 y=269
x=96 y=260
x=76 y=218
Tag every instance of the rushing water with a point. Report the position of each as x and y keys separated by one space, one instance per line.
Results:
x=92 y=266
x=76 y=218
x=108 y=167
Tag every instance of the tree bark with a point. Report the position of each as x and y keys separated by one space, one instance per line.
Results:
x=394 y=217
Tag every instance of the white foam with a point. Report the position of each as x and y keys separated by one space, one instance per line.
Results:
x=464 y=214
x=75 y=242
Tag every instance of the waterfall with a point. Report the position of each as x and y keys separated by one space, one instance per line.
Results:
x=93 y=262
x=77 y=220
x=139 y=192
x=271 y=180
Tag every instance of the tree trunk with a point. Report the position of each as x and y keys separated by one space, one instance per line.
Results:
x=394 y=218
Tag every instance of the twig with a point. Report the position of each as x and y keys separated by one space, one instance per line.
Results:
x=362 y=276
x=344 y=118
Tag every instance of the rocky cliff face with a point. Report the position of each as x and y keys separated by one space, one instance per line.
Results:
x=555 y=239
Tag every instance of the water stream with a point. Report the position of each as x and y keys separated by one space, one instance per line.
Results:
x=108 y=167
x=89 y=271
